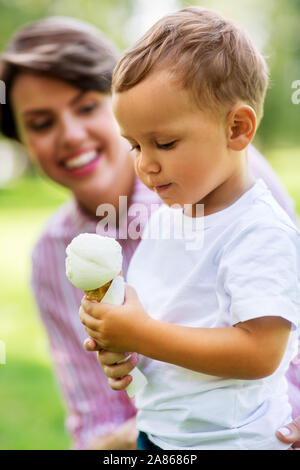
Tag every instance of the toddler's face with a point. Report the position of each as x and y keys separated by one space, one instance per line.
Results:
x=180 y=151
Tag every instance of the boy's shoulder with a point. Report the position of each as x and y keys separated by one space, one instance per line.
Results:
x=261 y=210
x=261 y=226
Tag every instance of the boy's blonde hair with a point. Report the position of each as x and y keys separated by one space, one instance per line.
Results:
x=209 y=55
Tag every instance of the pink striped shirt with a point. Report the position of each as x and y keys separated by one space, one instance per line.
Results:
x=93 y=409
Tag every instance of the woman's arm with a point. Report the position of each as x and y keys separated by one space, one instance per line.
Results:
x=123 y=438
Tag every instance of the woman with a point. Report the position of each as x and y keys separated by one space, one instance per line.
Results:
x=57 y=73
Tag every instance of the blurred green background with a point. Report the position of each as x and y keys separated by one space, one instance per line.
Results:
x=31 y=409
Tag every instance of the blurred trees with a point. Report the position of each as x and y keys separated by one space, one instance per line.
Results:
x=109 y=15
x=282 y=117
x=274 y=25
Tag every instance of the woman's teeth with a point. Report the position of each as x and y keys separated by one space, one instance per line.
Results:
x=81 y=160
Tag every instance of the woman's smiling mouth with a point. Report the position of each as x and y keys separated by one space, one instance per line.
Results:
x=82 y=164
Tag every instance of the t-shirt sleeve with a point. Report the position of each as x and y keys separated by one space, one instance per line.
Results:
x=259 y=272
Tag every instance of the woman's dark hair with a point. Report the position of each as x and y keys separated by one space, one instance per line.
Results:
x=63 y=48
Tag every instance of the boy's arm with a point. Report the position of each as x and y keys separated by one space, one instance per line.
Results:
x=250 y=350
x=258 y=271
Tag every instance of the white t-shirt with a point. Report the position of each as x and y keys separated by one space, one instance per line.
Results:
x=238 y=264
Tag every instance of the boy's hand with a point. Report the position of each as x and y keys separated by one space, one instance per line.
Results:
x=115 y=328
x=108 y=361
x=117 y=374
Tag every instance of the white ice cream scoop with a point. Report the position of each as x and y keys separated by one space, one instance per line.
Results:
x=94 y=264
x=93 y=260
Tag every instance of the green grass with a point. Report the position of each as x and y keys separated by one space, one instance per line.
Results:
x=31 y=413
x=31 y=409
x=32 y=192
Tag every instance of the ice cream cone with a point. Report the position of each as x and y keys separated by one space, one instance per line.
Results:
x=92 y=260
x=98 y=294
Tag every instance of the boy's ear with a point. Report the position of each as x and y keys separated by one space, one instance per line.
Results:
x=241 y=127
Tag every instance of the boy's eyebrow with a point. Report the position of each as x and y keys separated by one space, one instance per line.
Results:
x=72 y=102
x=129 y=139
x=151 y=135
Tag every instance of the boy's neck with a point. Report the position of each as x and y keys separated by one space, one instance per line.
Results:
x=231 y=189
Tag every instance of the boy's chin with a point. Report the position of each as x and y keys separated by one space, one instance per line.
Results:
x=173 y=204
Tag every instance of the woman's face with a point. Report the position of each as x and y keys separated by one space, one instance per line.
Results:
x=71 y=135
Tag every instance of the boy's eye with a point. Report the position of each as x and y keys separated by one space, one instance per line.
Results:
x=135 y=147
x=168 y=145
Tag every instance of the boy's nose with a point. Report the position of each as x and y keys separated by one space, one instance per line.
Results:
x=147 y=163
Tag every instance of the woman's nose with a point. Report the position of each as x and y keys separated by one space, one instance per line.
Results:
x=72 y=132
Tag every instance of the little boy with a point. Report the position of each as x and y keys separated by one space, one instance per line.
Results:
x=217 y=325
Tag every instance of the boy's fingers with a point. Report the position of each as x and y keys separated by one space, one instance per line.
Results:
x=130 y=294
x=116 y=371
x=108 y=357
x=91 y=345
x=88 y=320
x=120 y=384
x=87 y=305
x=93 y=308
x=94 y=335
x=290 y=433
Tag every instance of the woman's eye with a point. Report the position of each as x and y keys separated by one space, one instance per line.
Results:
x=39 y=126
x=166 y=146
x=88 y=108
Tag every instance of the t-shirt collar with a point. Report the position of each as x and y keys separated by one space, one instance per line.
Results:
x=223 y=216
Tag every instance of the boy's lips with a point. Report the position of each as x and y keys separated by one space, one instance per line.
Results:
x=162 y=188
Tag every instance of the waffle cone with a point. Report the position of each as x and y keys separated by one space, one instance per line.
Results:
x=98 y=294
